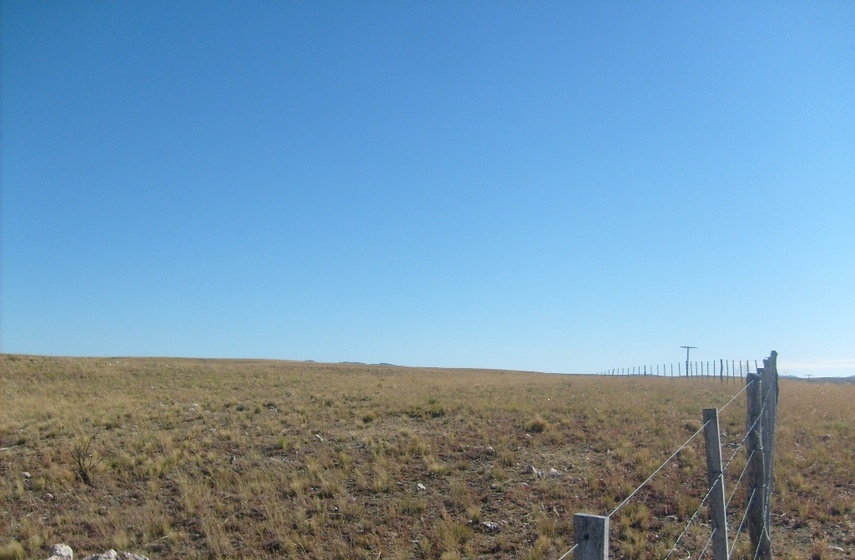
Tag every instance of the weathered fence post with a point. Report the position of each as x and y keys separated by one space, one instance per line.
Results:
x=715 y=480
x=770 y=413
x=762 y=410
x=591 y=536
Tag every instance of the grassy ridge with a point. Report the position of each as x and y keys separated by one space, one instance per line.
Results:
x=265 y=459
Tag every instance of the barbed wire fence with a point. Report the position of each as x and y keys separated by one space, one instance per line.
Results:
x=752 y=483
x=725 y=370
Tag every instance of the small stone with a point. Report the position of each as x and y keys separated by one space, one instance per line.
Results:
x=491 y=527
x=320 y=439
x=26 y=474
x=130 y=556
x=554 y=473
x=61 y=551
x=109 y=555
x=49 y=496
x=421 y=486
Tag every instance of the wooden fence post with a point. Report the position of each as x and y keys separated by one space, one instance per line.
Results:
x=715 y=480
x=756 y=482
x=770 y=413
x=591 y=536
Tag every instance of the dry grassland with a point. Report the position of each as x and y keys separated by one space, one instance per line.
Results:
x=189 y=459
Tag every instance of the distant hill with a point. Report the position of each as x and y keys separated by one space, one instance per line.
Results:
x=839 y=380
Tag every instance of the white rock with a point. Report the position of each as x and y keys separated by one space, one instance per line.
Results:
x=491 y=527
x=421 y=486
x=61 y=551
x=554 y=473
x=109 y=555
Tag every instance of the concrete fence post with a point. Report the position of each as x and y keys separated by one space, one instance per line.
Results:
x=591 y=535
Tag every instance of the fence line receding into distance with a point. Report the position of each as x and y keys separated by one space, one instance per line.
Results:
x=722 y=369
x=591 y=532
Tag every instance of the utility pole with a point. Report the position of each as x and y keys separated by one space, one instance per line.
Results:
x=687 y=357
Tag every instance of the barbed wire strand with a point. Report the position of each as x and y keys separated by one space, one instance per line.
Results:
x=741 y=523
x=706 y=546
x=563 y=556
x=732 y=458
x=736 y=395
x=768 y=513
x=739 y=447
x=738 y=480
x=745 y=437
x=668 y=460
x=757 y=548
x=689 y=524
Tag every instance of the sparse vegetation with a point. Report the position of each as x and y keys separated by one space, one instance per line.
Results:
x=264 y=459
x=85 y=461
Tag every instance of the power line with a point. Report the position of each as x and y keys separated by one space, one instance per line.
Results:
x=687 y=357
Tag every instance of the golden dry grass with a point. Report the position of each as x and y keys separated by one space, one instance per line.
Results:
x=267 y=459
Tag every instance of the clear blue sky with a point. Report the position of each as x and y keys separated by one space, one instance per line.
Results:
x=562 y=187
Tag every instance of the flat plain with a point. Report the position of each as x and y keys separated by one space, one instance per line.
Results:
x=193 y=458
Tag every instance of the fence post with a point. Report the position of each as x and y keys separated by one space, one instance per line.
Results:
x=591 y=535
x=756 y=480
x=770 y=413
x=715 y=480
